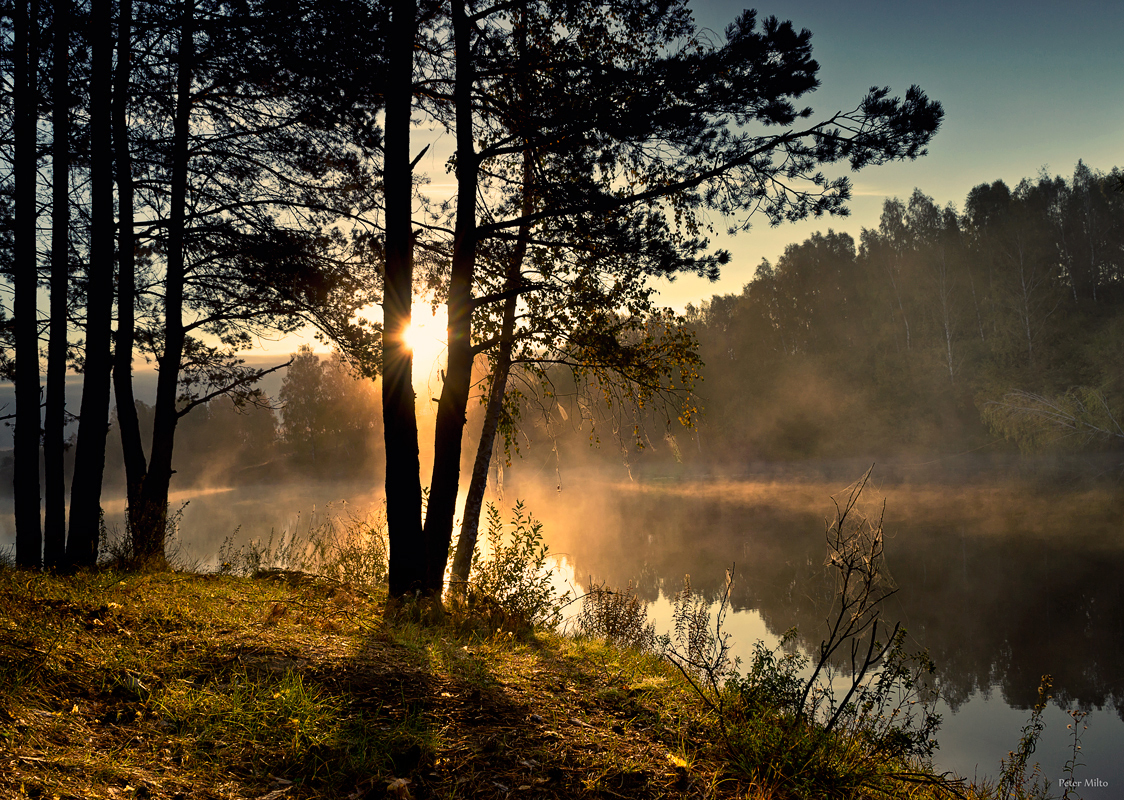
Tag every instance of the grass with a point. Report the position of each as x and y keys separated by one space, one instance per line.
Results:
x=178 y=685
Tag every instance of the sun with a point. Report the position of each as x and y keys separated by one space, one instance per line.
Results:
x=426 y=338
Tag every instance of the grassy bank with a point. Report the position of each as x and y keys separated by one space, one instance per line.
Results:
x=180 y=685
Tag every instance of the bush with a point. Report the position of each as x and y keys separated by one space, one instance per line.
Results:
x=515 y=576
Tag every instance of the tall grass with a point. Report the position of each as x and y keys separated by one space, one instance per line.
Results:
x=350 y=547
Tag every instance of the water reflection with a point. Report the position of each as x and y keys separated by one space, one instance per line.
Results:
x=1000 y=585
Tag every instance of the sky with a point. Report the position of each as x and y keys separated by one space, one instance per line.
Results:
x=1025 y=86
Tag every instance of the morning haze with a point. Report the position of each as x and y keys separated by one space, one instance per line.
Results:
x=691 y=286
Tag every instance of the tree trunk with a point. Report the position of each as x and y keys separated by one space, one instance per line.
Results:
x=501 y=368
x=93 y=423
x=54 y=427
x=474 y=499
x=127 y=421
x=29 y=535
x=149 y=511
x=400 y=427
x=452 y=405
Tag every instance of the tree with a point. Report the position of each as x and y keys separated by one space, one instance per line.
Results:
x=302 y=402
x=123 y=346
x=1012 y=229
x=244 y=171
x=329 y=417
x=408 y=555
x=54 y=423
x=635 y=125
x=25 y=102
x=93 y=426
x=888 y=247
x=937 y=239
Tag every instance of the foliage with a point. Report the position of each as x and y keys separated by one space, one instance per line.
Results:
x=350 y=548
x=1078 y=417
x=927 y=330
x=773 y=681
x=1014 y=780
x=329 y=417
x=514 y=573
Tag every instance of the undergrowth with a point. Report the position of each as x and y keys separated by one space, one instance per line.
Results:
x=350 y=548
x=513 y=572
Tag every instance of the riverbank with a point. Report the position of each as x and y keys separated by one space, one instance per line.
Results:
x=180 y=685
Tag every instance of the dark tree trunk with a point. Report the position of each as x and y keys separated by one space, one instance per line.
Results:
x=453 y=402
x=501 y=368
x=149 y=511
x=54 y=427
x=93 y=422
x=29 y=535
x=400 y=428
x=474 y=499
x=128 y=423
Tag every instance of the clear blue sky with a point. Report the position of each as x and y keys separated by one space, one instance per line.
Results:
x=1025 y=86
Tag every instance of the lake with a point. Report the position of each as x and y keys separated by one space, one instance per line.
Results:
x=1000 y=581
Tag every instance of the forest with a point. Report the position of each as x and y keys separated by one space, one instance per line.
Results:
x=183 y=179
x=938 y=332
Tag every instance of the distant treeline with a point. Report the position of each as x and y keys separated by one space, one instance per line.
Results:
x=324 y=423
x=940 y=331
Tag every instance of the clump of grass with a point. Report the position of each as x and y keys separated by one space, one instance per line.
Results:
x=115 y=544
x=616 y=615
x=350 y=548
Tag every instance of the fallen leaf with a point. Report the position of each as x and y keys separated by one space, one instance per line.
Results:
x=399 y=788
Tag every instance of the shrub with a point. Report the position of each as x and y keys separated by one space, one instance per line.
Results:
x=618 y=616
x=515 y=575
